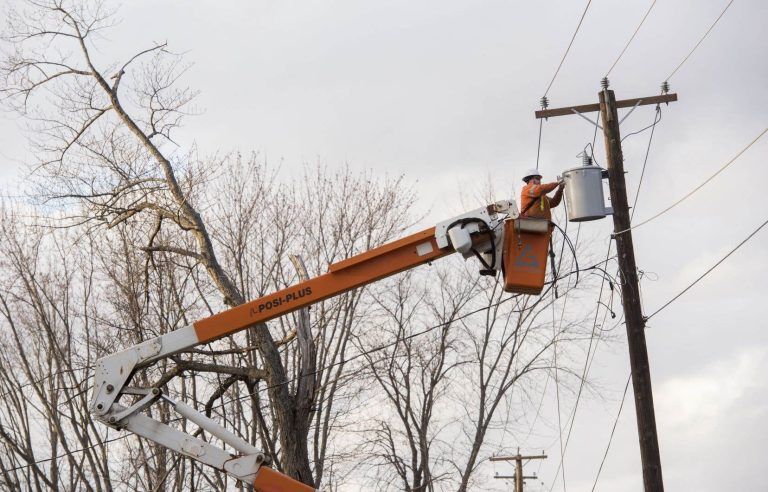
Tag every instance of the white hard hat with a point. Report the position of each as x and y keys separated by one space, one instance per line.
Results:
x=531 y=173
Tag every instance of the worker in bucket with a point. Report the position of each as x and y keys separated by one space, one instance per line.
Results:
x=534 y=201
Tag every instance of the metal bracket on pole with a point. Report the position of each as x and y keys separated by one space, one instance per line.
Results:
x=630 y=111
x=579 y=114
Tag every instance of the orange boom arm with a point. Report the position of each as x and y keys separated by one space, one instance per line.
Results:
x=349 y=274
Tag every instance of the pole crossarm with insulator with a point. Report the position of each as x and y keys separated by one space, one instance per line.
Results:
x=518 y=476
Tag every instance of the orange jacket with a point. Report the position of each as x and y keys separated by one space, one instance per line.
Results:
x=537 y=193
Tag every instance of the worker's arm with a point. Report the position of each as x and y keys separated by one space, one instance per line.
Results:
x=535 y=191
x=555 y=200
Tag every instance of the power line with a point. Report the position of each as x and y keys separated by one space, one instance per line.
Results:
x=655 y=122
x=69 y=453
x=382 y=347
x=567 y=49
x=630 y=39
x=49 y=376
x=645 y=161
x=375 y=349
x=557 y=394
x=538 y=148
x=708 y=271
x=656 y=312
x=621 y=406
x=587 y=365
x=698 y=187
x=561 y=466
x=700 y=40
x=613 y=431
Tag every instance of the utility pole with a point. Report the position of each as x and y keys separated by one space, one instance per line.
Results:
x=518 y=459
x=630 y=291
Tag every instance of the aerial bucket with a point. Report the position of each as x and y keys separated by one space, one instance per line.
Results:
x=526 y=243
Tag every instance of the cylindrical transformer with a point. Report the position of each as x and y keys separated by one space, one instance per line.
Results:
x=584 y=194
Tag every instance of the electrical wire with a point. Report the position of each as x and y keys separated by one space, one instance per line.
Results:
x=591 y=146
x=588 y=361
x=356 y=356
x=645 y=162
x=567 y=49
x=676 y=297
x=723 y=168
x=621 y=406
x=613 y=431
x=70 y=453
x=700 y=40
x=631 y=38
x=655 y=121
x=49 y=376
x=557 y=397
x=538 y=149
x=556 y=331
x=585 y=372
x=381 y=347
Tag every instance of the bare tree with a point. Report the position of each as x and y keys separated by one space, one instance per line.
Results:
x=157 y=238
x=460 y=359
x=45 y=296
x=105 y=151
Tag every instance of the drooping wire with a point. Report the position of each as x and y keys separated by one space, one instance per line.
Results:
x=69 y=453
x=568 y=49
x=631 y=38
x=538 y=148
x=690 y=193
x=645 y=162
x=655 y=122
x=356 y=356
x=610 y=439
x=557 y=397
x=566 y=240
x=700 y=40
x=613 y=431
x=585 y=372
x=49 y=376
x=594 y=327
x=676 y=297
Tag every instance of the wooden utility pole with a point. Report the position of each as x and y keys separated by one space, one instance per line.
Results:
x=518 y=476
x=630 y=291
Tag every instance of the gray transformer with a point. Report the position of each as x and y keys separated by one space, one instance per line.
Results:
x=584 y=193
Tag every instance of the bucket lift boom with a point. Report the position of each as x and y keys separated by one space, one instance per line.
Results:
x=494 y=234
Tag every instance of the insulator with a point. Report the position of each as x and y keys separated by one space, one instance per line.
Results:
x=604 y=83
x=544 y=102
x=665 y=87
x=586 y=159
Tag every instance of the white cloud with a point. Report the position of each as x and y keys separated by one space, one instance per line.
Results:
x=714 y=413
x=693 y=405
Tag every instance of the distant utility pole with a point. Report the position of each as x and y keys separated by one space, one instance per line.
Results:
x=630 y=291
x=518 y=476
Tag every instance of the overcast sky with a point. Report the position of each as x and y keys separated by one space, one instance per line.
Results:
x=444 y=93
